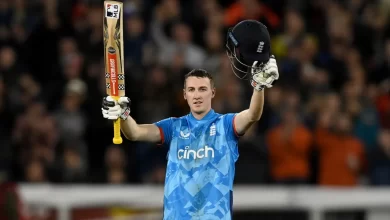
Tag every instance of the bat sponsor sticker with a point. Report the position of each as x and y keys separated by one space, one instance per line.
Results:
x=113 y=71
x=113 y=11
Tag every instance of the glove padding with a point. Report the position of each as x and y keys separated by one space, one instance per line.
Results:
x=112 y=109
x=266 y=76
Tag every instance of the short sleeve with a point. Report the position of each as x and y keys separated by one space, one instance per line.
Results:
x=229 y=126
x=165 y=127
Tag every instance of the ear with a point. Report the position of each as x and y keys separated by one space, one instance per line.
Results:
x=184 y=94
x=213 y=92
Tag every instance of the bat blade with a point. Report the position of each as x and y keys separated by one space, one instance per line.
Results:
x=113 y=55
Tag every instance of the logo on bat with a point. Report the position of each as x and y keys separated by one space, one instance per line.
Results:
x=111 y=50
x=112 y=11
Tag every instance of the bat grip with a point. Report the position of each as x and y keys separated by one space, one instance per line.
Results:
x=117 y=129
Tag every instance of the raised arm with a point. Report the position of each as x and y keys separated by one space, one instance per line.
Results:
x=113 y=110
x=246 y=118
x=143 y=132
x=260 y=80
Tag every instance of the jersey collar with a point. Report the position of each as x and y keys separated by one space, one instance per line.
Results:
x=209 y=115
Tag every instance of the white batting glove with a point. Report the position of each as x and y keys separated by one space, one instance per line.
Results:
x=112 y=109
x=266 y=76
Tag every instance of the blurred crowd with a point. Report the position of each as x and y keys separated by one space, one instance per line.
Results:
x=325 y=122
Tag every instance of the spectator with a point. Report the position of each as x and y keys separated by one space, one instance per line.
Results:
x=70 y=119
x=254 y=156
x=342 y=156
x=115 y=167
x=35 y=172
x=289 y=149
x=74 y=166
x=251 y=9
x=181 y=36
x=380 y=160
x=367 y=124
x=293 y=31
x=135 y=40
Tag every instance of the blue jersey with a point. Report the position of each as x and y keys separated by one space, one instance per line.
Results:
x=201 y=166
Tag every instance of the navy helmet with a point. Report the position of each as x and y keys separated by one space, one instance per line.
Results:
x=248 y=42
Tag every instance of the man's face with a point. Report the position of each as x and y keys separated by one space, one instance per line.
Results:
x=384 y=140
x=198 y=93
x=343 y=124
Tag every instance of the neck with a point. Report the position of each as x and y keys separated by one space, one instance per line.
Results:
x=201 y=115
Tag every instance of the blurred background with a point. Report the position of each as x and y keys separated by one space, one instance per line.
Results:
x=326 y=122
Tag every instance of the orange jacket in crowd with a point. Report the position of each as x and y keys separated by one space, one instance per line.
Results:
x=341 y=158
x=236 y=12
x=289 y=154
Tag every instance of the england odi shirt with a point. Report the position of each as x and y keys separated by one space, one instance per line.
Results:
x=201 y=166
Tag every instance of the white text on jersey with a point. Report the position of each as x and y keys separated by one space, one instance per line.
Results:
x=200 y=153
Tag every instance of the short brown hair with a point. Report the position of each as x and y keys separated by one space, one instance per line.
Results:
x=201 y=73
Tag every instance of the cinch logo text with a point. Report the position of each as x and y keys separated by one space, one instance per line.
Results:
x=201 y=153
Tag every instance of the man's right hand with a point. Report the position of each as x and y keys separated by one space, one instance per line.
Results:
x=112 y=109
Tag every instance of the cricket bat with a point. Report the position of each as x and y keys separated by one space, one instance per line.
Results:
x=113 y=56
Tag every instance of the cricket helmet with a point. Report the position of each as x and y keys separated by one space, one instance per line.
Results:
x=247 y=42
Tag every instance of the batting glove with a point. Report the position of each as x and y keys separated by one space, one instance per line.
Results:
x=263 y=78
x=112 y=109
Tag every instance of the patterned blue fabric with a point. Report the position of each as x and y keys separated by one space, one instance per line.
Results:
x=200 y=171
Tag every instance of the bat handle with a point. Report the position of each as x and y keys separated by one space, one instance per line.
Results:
x=117 y=129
